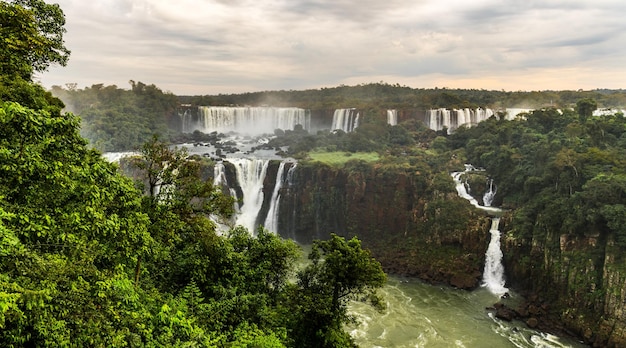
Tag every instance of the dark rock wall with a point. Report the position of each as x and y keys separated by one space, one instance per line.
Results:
x=579 y=280
x=390 y=212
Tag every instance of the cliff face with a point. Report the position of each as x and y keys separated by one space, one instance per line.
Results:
x=574 y=285
x=578 y=280
x=413 y=232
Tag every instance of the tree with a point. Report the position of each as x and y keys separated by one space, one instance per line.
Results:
x=340 y=271
x=32 y=37
x=585 y=108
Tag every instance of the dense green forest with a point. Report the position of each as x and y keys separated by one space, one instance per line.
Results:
x=88 y=260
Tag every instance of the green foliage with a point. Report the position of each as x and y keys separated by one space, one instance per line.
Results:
x=340 y=271
x=89 y=260
x=32 y=37
x=340 y=158
x=114 y=119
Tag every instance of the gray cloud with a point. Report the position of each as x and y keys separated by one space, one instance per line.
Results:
x=219 y=46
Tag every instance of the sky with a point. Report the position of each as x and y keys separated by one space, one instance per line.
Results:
x=202 y=47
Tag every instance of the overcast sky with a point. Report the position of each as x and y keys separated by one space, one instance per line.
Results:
x=231 y=46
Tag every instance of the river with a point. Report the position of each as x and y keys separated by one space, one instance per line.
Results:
x=423 y=315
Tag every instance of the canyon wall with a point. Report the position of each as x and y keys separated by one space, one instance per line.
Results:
x=410 y=229
x=577 y=282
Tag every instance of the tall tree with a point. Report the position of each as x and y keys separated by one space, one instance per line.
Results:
x=32 y=37
x=340 y=271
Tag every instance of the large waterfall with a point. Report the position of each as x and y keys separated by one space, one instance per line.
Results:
x=438 y=119
x=245 y=120
x=493 y=274
x=345 y=119
x=250 y=176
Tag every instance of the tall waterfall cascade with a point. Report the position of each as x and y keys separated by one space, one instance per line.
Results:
x=493 y=274
x=271 y=221
x=392 y=117
x=441 y=118
x=251 y=175
x=345 y=119
x=245 y=120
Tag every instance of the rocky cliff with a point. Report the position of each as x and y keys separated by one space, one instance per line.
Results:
x=411 y=229
x=574 y=283
x=417 y=227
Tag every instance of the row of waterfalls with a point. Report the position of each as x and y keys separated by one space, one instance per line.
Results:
x=264 y=120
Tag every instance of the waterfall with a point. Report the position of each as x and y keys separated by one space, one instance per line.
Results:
x=219 y=180
x=345 y=119
x=248 y=120
x=392 y=117
x=291 y=225
x=490 y=193
x=186 y=120
x=493 y=274
x=250 y=176
x=271 y=222
x=453 y=119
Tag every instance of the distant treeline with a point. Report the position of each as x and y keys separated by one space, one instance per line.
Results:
x=383 y=95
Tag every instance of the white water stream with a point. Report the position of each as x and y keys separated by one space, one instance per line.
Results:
x=493 y=274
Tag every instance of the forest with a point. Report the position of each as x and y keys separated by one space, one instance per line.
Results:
x=89 y=258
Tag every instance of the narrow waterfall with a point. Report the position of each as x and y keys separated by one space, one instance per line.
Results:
x=271 y=221
x=219 y=180
x=490 y=193
x=493 y=274
x=247 y=120
x=345 y=119
x=392 y=117
x=291 y=220
x=250 y=176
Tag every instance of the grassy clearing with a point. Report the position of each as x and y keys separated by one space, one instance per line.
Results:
x=339 y=157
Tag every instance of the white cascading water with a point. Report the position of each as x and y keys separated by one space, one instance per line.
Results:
x=271 y=221
x=493 y=274
x=250 y=176
x=247 y=120
x=392 y=117
x=345 y=119
x=489 y=194
x=453 y=119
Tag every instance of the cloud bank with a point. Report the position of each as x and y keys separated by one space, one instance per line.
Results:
x=231 y=46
